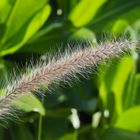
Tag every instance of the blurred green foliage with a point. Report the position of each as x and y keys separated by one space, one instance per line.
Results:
x=105 y=107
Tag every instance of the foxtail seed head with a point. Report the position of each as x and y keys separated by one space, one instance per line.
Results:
x=67 y=65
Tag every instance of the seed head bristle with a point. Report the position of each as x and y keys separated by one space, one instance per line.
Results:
x=67 y=65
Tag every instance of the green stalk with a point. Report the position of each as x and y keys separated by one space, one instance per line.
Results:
x=40 y=123
x=39 y=127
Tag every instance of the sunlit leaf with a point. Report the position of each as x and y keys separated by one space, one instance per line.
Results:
x=36 y=22
x=85 y=11
x=113 y=10
x=30 y=103
x=5 y=7
x=83 y=34
x=21 y=13
x=119 y=26
x=114 y=82
x=130 y=119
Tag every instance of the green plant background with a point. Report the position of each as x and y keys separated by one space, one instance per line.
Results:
x=106 y=106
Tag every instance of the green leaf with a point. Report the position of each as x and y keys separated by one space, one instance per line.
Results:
x=119 y=134
x=85 y=11
x=130 y=119
x=22 y=11
x=128 y=94
x=83 y=34
x=119 y=26
x=114 y=81
x=49 y=36
x=72 y=136
x=136 y=89
x=37 y=21
x=61 y=112
x=111 y=11
x=5 y=7
x=29 y=103
x=3 y=74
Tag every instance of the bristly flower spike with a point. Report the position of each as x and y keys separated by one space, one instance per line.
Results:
x=61 y=68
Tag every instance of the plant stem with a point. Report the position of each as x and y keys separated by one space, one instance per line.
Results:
x=40 y=123
x=40 y=127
